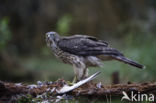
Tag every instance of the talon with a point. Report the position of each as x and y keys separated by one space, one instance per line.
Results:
x=73 y=82
x=70 y=83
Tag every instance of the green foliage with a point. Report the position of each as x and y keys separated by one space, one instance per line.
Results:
x=5 y=34
x=64 y=23
x=29 y=99
x=25 y=99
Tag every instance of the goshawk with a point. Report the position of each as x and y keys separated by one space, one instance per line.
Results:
x=82 y=51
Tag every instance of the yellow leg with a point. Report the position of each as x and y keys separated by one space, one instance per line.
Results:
x=73 y=82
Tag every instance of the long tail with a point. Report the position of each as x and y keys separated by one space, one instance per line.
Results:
x=115 y=54
x=128 y=61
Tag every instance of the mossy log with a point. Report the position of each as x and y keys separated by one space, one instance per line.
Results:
x=7 y=90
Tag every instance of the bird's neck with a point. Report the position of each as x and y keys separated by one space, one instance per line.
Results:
x=55 y=49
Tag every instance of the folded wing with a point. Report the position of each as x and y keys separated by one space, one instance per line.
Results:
x=85 y=46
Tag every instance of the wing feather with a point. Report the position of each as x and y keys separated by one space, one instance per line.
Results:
x=82 y=45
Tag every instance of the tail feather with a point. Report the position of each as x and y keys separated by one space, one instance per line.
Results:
x=111 y=52
x=130 y=62
x=115 y=54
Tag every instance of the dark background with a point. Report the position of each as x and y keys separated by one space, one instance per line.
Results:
x=128 y=25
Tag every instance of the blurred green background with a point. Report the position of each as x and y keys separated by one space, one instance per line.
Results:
x=128 y=25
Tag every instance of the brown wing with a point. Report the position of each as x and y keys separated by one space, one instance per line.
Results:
x=85 y=45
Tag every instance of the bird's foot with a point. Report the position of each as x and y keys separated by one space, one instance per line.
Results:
x=73 y=82
x=67 y=88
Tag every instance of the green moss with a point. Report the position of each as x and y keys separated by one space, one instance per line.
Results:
x=25 y=99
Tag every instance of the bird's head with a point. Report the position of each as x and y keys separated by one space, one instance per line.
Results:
x=52 y=38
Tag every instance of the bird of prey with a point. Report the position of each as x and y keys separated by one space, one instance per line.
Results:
x=82 y=51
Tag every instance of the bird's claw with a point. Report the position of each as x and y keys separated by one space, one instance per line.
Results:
x=73 y=82
x=67 y=88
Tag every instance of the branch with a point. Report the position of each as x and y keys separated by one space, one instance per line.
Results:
x=116 y=90
x=8 y=90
